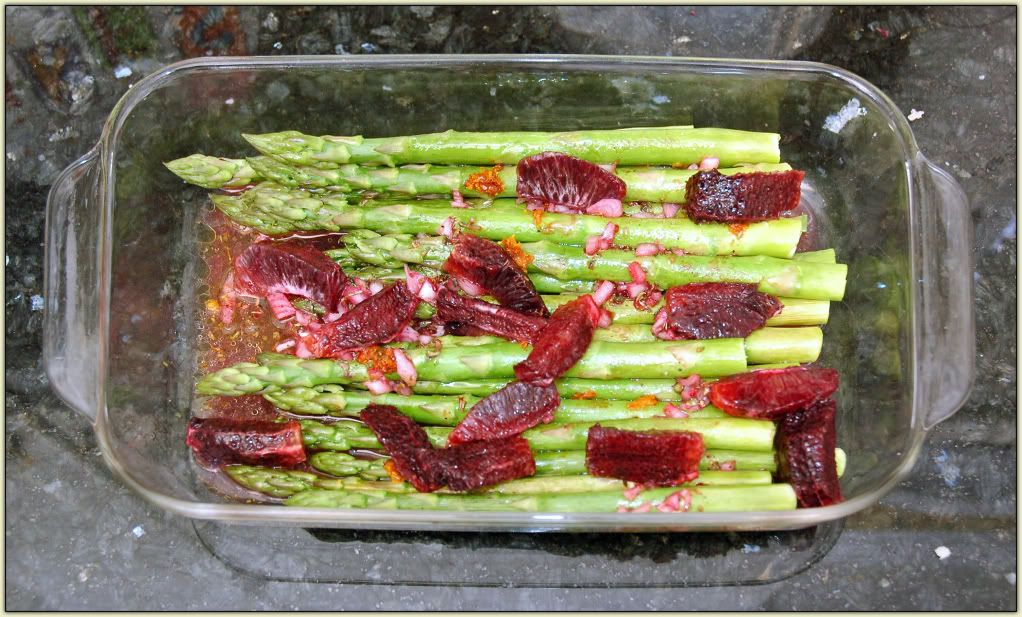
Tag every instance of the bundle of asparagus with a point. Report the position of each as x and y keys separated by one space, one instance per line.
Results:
x=400 y=205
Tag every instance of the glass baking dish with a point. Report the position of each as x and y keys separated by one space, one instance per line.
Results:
x=123 y=277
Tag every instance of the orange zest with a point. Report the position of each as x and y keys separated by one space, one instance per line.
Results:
x=584 y=396
x=643 y=401
x=487 y=181
x=392 y=471
x=517 y=253
x=537 y=218
x=738 y=228
x=379 y=358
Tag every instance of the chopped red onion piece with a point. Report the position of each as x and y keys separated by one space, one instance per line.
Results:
x=413 y=279
x=459 y=200
x=375 y=287
x=608 y=207
x=378 y=386
x=606 y=318
x=402 y=388
x=446 y=229
x=635 y=289
x=280 y=306
x=592 y=245
x=646 y=249
x=636 y=272
x=228 y=300
x=708 y=163
x=604 y=291
x=408 y=335
x=405 y=367
x=727 y=465
x=608 y=234
x=671 y=210
x=288 y=344
x=693 y=166
x=673 y=411
x=428 y=292
x=633 y=491
x=608 y=167
x=471 y=288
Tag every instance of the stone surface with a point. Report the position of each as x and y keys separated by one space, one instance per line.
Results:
x=77 y=538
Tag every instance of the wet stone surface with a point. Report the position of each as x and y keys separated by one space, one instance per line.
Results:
x=944 y=539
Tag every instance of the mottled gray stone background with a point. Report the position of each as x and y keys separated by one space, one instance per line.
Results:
x=76 y=538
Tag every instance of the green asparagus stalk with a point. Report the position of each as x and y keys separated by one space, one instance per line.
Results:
x=558 y=463
x=650 y=184
x=777 y=277
x=794 y=311
x=467 y=361
x=441 y=410
x=284 y=482
x=635 y=146
x=786 y=346
x=785 y=278
x=277 y=208
x=555 y=463
x=213 y=172
x=718 y=433
x=752 y=498
x=610 y=389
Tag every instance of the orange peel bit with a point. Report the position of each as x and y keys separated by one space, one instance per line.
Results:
x=379 y=358
x=738 y=228
x=517 y=253
x=643 y=401
x=487 y=181
x=537 y=218
x=392 y=471
x=584 y=396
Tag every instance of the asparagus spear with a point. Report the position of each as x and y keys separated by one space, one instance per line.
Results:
x=718 y=433
x=610 y=389
x=275 y=208
x=333 y=400
x=703 y=499
x=285 y=482
x=566 y=463
x=555 y=463
x=643 y=183
x=547 y=284
x=634 y=146
x=214 y=172
x=794 y=278
x=603 y=360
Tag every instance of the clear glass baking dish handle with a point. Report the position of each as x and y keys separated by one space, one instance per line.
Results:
x=71 y=349
x=948 y=337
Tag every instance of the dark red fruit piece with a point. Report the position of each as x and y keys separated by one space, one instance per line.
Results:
x=220 y=441
x=476 y=317
x=406 y=443
x=562 y=343
x=292 y=267
x=477 y=464
x=772 y=393
x=716 y=310
x=651 y=458
x=805 y=444
x=741 y=198
x=374 y=321
x=487 y=265
x=557 y=179
x=511 y=410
